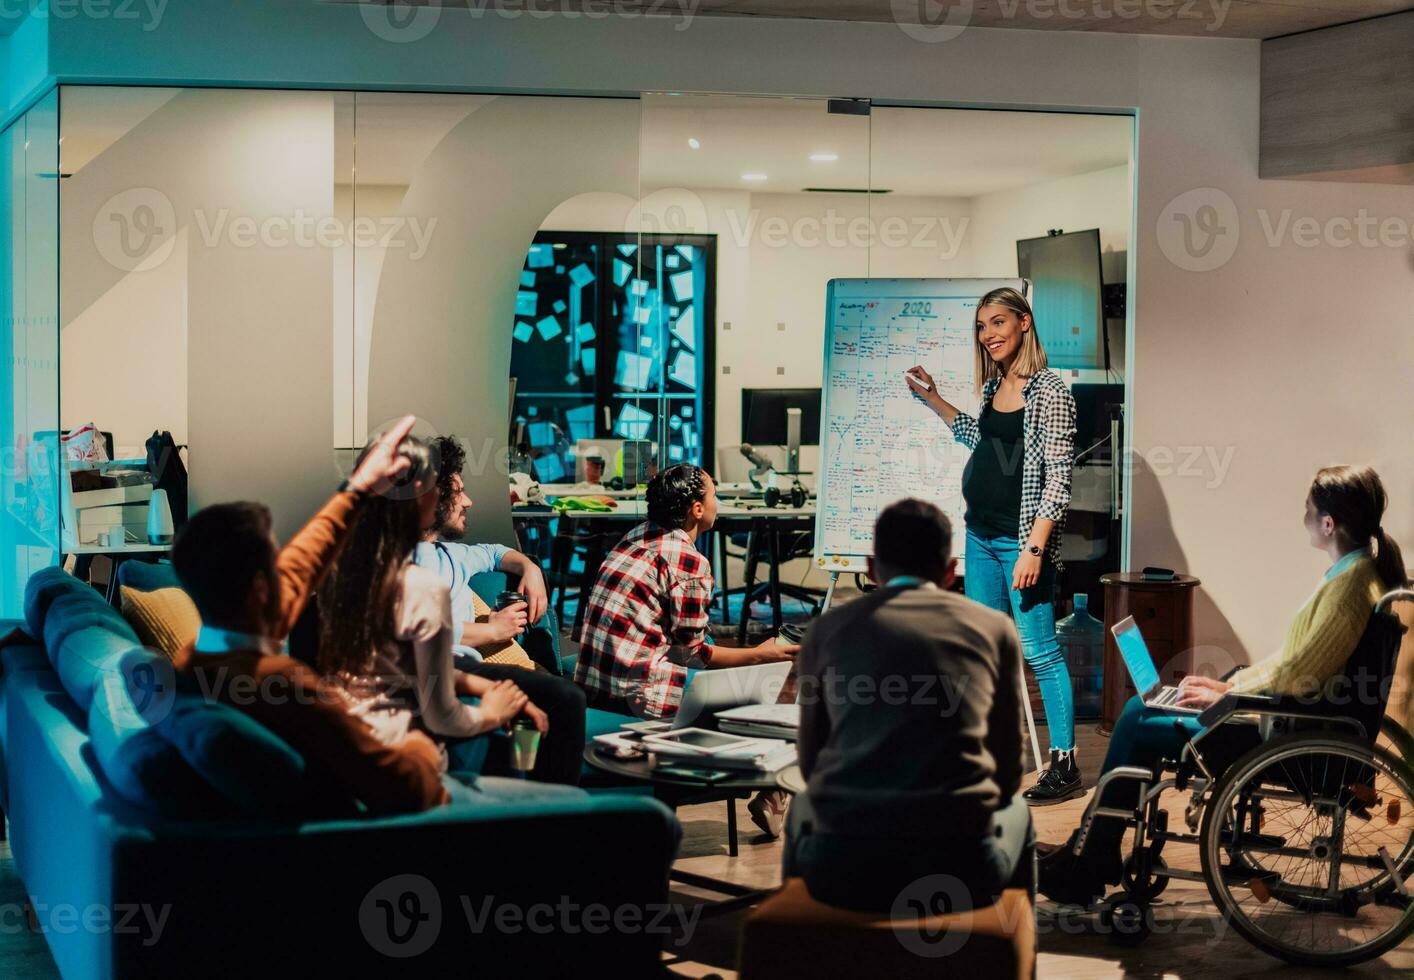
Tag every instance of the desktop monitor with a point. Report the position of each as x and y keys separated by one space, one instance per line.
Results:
x=1066 y=288
x=763 y=415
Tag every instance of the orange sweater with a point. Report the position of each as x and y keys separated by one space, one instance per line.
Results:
x=288 y=698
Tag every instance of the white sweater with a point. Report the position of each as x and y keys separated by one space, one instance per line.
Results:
x=412 y=680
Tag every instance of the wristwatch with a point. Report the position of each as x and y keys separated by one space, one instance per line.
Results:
x=1033 y=549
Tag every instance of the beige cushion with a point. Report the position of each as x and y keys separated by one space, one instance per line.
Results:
x=508 y=652
x=165 y=619
x=792 y=934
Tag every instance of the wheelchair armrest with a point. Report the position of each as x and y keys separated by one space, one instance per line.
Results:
x=1229 y=705
x=1276 y=706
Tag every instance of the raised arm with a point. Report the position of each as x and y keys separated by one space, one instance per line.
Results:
x=923 y=387
x=303 y=563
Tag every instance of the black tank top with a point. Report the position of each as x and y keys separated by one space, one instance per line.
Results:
x=991 y=482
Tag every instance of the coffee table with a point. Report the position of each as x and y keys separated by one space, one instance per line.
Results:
x=676 y=791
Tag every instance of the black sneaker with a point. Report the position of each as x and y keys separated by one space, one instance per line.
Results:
x=1060 y=782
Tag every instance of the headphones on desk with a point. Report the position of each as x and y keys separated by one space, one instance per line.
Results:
x=797 y=496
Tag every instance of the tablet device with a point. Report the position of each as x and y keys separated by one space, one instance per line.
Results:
x=697 y=740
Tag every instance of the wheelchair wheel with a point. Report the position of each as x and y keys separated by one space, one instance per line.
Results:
x=1151 y=886
x=1308 y=849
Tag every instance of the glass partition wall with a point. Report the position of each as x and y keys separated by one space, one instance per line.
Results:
x=272 y=275
x=29 y=373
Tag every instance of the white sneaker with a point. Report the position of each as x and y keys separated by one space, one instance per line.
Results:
x=768 y=811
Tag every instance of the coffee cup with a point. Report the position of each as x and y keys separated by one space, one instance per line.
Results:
x=507 y=599
x=525 y=743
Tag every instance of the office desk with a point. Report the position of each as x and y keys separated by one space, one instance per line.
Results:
x=637 y=510
x=85 y=553
x=756 y=520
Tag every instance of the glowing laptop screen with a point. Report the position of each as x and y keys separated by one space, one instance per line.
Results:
x=1136 y=656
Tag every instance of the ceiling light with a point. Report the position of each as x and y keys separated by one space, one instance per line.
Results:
x=824 y=157
x=694 y=142
x=753 y=177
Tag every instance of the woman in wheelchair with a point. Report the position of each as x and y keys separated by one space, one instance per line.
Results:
x=1344 y=510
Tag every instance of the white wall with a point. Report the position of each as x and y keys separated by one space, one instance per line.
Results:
x=123 y=358
x=256 y=314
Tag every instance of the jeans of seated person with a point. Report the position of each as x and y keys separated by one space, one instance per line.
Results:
x=1144 y=737
x=468 y=788
x=870 y=873
x=987 y=579
x=561 y=750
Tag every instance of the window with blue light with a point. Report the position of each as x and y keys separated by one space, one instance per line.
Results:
x=612 y=340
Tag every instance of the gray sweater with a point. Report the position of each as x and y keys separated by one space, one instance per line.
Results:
x=910 y=715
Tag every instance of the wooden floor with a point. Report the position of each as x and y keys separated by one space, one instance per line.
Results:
x=1191 y=941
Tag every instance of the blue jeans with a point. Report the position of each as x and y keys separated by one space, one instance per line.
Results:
x=1145 y=736
x=987 y=579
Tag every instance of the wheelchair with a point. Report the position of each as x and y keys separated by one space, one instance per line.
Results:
x=1306 y=838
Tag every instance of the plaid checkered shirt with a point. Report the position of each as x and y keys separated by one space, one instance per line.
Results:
x=1049 y=450
x=646 y=622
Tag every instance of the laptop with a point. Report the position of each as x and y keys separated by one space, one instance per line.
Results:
x=710 y=691
x=1142 y=672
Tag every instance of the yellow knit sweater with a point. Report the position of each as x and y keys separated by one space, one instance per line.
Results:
x=1322 y=637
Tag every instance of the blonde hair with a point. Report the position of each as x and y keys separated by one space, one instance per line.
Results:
x=1032 y=356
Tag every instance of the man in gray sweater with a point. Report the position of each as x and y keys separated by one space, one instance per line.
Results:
x=910 y=733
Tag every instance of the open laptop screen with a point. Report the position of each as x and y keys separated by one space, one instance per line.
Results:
x=1136 y=656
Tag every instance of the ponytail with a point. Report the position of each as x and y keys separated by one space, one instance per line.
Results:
x=1389 y=561
x=1354 y=497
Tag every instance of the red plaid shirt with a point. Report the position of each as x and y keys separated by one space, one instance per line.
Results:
x=646 y=621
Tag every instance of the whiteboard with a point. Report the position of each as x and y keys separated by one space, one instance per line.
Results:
x=878 y=443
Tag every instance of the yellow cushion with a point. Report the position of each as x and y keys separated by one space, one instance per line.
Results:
x=508 y=652
x=165 y=619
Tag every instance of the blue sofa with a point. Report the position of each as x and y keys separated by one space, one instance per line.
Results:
x=165 y=843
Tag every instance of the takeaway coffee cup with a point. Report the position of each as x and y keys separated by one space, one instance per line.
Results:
x=525 y=742
x=507 y=599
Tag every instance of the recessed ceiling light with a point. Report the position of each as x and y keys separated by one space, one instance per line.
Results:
x=824 y=157
x=694 y=142
x=753 y=177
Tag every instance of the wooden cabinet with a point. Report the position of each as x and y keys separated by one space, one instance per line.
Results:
x=1163 y=612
